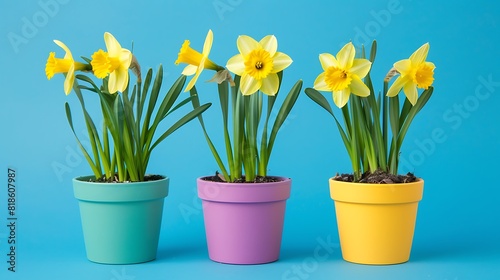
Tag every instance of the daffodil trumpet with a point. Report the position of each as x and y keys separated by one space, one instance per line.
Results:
x=366 y=118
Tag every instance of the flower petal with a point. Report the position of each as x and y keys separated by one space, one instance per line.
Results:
x=420 y=55
x=280 y=62
x=249 y=85
x=403 y=66
x=246 y=44
x=112 y=85
x=397 y=86
x=118 y=80
x=70 y=79
x=65 y=48
x=270 y=44
x=189 y=70
x=112 y=44
x=270 y=84
x=411 y=92
x=195 y=77
x=320 y=84
x=208 y=43
x=327 y=60
x=236 y=64
x=341 y=97
x=346 y=55
x=125 y=58
x=361 y=67
x=358 y=87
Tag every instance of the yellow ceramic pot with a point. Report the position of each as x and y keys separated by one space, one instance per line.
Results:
x=376 y=221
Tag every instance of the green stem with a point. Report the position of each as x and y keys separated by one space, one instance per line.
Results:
x=384 y=121
x=354 y=144
x=224 y=103
x=238 y=131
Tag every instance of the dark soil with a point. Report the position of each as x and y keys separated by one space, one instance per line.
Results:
x=259 y=179
x=378 y=177
x=115 y=179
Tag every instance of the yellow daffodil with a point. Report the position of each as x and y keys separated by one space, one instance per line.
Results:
x=415 y=73
x=115 y=62
x=343 y=75
x=258 y=64
x=63 y=65
x=196 y=61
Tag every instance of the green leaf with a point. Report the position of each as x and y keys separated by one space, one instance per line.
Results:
x=188 y=117
x=178 y=106
x=283 y=113
x=404 y=112
x=223 y=90
x=319 y=99
x=146 y=135
x=163 y=110
x=373 y=51
x=421 y=101
x=117 y=133
x=394 y=114
x=86 y=79
x=170 y=98
x=196 y=104
x=238 y=130
x=155 y=91
x=95 y=170
x=252 y=123
x=142 y=94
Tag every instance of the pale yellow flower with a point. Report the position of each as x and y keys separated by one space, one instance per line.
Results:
x=342 y=75
x=63 y=65
x=115 y=62
x=196 y=61
x=258 y=64
x=415 y=73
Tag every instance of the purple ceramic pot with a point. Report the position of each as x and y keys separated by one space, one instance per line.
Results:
x=244 y=221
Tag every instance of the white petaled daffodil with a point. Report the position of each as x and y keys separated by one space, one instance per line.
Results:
x=258 y=64
x=415 y=73
x=115 y=62
x=196 y=61
x=63 y=65
x=342 y=75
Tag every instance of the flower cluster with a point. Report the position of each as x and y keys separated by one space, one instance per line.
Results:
x=258 y=68
x=373 y=127
x=115 y=62
x=365 y=132
x=130 y=115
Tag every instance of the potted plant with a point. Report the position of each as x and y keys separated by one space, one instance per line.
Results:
x=243 y=206
x=376 y=208
x=120 y=204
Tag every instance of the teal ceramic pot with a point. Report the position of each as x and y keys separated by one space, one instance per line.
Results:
x=121 y=221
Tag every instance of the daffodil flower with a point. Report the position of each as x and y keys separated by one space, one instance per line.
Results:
x=342 y=75
x=115 y=62
x=63 y=65
x=196 y=61
x=415 y=73
x=258 y=64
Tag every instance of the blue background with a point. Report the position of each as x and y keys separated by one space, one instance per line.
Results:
x=453 y=144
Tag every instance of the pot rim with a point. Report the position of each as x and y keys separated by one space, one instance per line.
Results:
x=244 y=192
x=120 y=192
x=368 y=193
x=87 y=177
